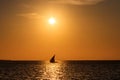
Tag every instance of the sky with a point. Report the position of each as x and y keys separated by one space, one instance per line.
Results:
x=84 y=29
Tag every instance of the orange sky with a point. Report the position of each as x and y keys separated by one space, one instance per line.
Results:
x=82 y=32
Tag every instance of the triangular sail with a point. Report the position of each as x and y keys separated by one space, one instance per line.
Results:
x=52 y=60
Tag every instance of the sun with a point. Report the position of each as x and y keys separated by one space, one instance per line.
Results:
x=52 y=20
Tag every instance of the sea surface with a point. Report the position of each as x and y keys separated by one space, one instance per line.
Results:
x=61 y=70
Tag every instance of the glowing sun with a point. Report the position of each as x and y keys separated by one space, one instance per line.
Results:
x=52 y=20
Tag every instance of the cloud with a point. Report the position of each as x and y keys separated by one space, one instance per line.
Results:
x=35 y=15
x=31 y=15
x=77 y=2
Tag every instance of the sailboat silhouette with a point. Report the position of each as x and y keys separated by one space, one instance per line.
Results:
x=52 y=60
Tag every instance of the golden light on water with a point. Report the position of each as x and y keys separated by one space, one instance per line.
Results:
x=53 y=71
x=52 y=20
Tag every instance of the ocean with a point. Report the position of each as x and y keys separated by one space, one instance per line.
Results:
x=61 y=70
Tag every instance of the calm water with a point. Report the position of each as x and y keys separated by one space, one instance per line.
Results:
x=63 y=70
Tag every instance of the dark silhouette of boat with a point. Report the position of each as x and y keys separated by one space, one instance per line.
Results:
x=52 y=60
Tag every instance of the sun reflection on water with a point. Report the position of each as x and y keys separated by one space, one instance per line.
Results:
x=53 y=71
